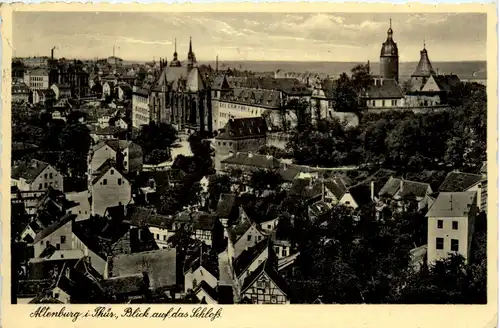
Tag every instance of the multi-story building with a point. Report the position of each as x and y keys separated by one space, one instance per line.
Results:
x=127 y=153
x=36 y=175
x=37 y=79
x=20 y=92
x=140 y=107
x=451 y=225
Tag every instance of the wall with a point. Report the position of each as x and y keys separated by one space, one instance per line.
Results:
x=270 y=225
x=54 y=239
x=249 y=239
x=199 y=274
x=347 y=200
x=140 y=110
x=254 y=265
x=37 y=82
x=111 y=194
x=447 y=233
x=227 y=110
x=82 y=211
x=161 y=236
x=385 y=103
x=201 y=293
x=100 y=156
x=265 y=295
x=50 y=177
x=61 y=295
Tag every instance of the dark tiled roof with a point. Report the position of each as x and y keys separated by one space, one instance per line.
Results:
x=201 y=220
x=109 y=130
x=329 y=87
x=226 y=205
x=28 y=171
x=125 y=285
x=253 y=97
x=240 y=128
x=459 y=181
x=393 y=186
x=306 y=188
x=387 y=89
x=237 y=231
x=54 y=226
x=101 y=171
x=208 y=261
x=336 y=187
x=446 y=82
x=20 y=88
x=245 y=259
x=141 y=216
x=424 y=67
x=319 y=208
x=361 y=194
x=208 y=289
x=160 y=265
x=255 y=160
x=452 y=204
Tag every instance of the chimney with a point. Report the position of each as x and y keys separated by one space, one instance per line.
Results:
x=372 y=190
x=400 y=185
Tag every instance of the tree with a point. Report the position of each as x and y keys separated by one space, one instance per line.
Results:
x=262 y=180
x=346 y=95
x=220 y=184
x=157 y=156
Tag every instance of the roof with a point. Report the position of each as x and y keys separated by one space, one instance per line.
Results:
x=319 y=208
x=306 y=188
x=255 y=160
x=28 y=170
x=160 y=265
x=253 y=97
x=39 y=71
x=384 y=89
x=329 y=87
x=446 y=82
x=125 y=284
x=141 y=216
x=237 y=231
x=241 y=128
x=20 y=88
x=54 y=226
x=103 y=169
x=361 y=194
x=424 y=67
x=459 y=181
x=336 y=186
x=201 y=220
x=453 y=204
x=108 y=130
x=194 y=81
x=220 y=82
x=62 y=85
x=266 y=268
x=225 y=205
x=245 y=259
x=208 y=261
x=115 y=144
x=393 y=187
x=207 y=288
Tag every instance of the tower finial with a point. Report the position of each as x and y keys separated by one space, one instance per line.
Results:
x=175 y=44
x=390 y=22
x=190 y=46
x=424 y=43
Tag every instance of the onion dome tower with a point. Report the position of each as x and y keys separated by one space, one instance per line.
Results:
x=175 y=62
x=424 y=68
x=389 y=57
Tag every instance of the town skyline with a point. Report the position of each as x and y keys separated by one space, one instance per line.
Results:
x=315 y=37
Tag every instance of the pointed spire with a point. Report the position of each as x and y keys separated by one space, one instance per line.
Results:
x=175 y=45
x=190 y=46
x=424 y=43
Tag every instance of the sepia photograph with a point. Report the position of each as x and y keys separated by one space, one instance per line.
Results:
x=248 y=158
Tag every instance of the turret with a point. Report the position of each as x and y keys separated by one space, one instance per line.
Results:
x=389 y=57
x=175 y=61
x=191 y=56
x=424 y=68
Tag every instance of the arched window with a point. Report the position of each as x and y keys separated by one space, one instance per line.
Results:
x=194 y=283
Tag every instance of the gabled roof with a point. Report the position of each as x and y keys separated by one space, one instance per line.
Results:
x=237 y=231
x=361 y=194
x=141 y=216
x=336 y=187
x=241 y=128
x=453 y=204
x=246 y=258
x=254 y=97
x=393 y=188
x=203 y=285
x=160 y=265
x=208 y=261
x=194 y=81
x=54 y=226
x=133 y=283
x=28 y=170
x=446 y=82
x=306 y=188
x=459 y=181
x=319 y=208
x=386 y=89
x=267 y=268
x=225 y=205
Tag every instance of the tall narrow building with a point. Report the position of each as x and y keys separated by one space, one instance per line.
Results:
x=389 y=57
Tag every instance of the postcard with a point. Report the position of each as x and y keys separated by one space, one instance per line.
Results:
x=289 y=165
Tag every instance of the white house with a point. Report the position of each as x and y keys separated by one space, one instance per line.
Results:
x=61 y=90
x=461 y=181
x=108 y=187
x=127 y=152
x=451 y=225
x=36 y=175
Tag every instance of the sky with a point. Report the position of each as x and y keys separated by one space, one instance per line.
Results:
x=348 y=37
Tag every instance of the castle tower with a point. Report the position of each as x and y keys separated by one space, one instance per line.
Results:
x=424 y=68
x=175 y=61
x=191 y=57
x=389 y=57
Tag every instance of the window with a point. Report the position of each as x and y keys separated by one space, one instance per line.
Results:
x=45 y=185
x=40 y=186
x=261 y=284
x=194 y=283
x=58 y=246
x=249 y=237
x=268 y=226
x=273 y=299
x=56 y=295
x=283 y=252
x=254 y=299
x=454 y=245
x=63 y=239
x=45 y=175
x=157 y=236
x=119 y=182
x=259 y=238
x=112 y=171
x=50 y=175
x=125 y=163
x=105 y=182
x=454 y=225
x=164 y=238
x=439 y=243
x=440 y=224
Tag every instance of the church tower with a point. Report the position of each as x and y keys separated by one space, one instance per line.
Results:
x=191 y=57
x=175 y=62
x=389 y=57
x=424 y=68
